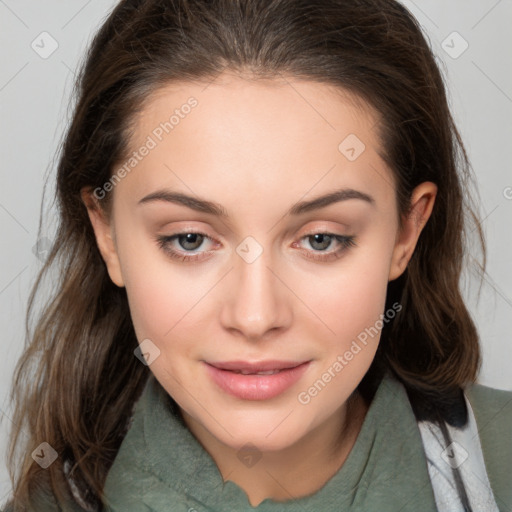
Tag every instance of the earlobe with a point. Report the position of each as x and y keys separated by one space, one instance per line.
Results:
x=103 y=233
x=421 y=206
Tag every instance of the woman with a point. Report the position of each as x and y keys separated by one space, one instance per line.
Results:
x=311 y=345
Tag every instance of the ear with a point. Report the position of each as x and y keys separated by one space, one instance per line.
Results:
x=103 y=231
x=421 y=206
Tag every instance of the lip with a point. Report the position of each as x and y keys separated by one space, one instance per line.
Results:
x=256 y=387
x=260 y=366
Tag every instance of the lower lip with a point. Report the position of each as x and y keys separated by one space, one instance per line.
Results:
x=256 y=387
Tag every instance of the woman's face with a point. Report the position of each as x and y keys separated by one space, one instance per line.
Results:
x=270 y=277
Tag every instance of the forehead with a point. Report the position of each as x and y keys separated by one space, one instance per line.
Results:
x=259 y=106
x=248 y=136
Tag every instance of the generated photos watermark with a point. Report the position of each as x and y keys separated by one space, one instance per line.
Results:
x=151 y=142
x=342 y=360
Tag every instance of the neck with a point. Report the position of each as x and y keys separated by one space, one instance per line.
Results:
x=297 y=470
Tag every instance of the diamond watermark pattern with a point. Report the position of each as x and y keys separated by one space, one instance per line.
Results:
x=455 y=45
x=44 y=45
x=351 y=147
x=249 y=249
x=42 y=248
x=147 y=352
x=44 y=455
x=249 y=455
x=454 y=454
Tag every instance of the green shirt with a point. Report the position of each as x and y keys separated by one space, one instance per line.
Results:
x=162 y=467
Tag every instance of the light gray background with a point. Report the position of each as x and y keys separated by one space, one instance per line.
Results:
x=34 y=94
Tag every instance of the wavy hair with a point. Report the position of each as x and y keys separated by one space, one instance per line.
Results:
x=77 y=380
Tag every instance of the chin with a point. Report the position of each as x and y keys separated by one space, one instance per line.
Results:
x=258 y=442
x=266 y=432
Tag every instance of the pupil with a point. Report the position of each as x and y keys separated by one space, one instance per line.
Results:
x=319 y=238
x=189 y=239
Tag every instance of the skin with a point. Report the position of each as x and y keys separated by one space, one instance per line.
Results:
x=257 y=148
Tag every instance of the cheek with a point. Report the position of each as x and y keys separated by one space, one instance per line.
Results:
x=167 y=306
x=161 y=301
x=157 y=294
x=350 y=299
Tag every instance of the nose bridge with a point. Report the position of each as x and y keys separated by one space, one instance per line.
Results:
x=254 y=307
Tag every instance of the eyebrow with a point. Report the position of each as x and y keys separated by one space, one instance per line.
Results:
x=212 y=208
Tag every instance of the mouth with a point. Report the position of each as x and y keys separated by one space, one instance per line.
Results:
x=262 y=367
x=256 y=381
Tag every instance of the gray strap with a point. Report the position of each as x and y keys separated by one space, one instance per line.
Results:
x=464 y=455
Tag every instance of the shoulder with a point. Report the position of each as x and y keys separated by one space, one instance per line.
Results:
x=491 y=395
x=493 y=414
x=492 y=407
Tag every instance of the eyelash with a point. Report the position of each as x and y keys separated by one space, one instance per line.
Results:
x=346 y=242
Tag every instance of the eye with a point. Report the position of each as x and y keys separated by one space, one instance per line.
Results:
x=189 y=241
x=320 y=241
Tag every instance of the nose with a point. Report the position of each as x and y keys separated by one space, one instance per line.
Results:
x=256 y=301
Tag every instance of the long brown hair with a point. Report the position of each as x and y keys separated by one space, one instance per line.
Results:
x=78 y=379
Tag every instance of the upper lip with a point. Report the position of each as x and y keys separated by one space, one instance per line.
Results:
x=259 y=366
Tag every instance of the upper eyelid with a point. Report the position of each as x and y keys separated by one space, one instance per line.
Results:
x=315 y=230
